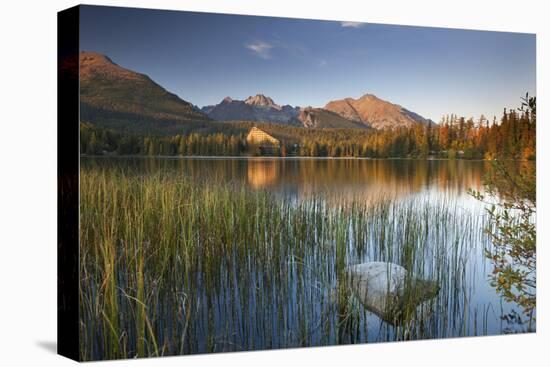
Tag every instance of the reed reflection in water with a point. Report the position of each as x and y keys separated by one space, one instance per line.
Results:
x=210 y=255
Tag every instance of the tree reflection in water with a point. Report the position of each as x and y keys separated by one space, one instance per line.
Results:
x=513 y=232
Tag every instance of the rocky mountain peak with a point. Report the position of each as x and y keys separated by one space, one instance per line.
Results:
x=375 y=112
x=261 y=100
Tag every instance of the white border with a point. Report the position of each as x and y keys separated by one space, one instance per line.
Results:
x=28 y=180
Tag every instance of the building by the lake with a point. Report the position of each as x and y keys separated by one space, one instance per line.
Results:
x=266 y=143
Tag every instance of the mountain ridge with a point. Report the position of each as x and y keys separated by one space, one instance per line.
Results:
x=114 y=96
x=106 y=87
x=367 y=111
x=376 y=112
x=257 y=108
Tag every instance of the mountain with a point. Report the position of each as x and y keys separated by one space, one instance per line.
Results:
x=260 y=108
x=114 y=97
x=261 y=100
x=254 y=108
x=375 y=112
x=229 y=109
x=110 y=93
x=321 y=118
x=366 y=111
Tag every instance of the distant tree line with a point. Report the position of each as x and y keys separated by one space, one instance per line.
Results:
x=95 y=140
x=513 y=137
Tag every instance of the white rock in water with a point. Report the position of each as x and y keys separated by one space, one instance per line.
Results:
x=382 y=286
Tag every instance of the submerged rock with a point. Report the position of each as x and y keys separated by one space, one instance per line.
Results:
x=388 y=290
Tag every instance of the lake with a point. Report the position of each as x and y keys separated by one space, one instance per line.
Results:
x=259 y=264
x=340 y=179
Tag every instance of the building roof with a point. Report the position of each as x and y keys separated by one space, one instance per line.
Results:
x=259 y=136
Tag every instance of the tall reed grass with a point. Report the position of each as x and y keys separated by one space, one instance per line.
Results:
x=174 y=266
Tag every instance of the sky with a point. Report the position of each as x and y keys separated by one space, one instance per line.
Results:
x=204 y=57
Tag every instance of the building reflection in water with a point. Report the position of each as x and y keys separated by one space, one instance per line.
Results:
x=262 y=173
x=363 y=180
x=332 y=179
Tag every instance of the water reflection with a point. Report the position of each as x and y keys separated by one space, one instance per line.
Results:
x=254 y=307
x=262 y=174
x=334 y=179
x=363 y=180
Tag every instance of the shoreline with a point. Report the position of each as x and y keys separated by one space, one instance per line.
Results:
x=222 y=157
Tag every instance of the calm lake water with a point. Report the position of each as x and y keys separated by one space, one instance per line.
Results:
x=468 y=304
x=333 y=179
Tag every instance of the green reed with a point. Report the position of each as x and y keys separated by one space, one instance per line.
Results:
x=174 y=266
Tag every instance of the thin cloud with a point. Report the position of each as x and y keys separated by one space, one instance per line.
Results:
x=261 y=49
x=352 y=24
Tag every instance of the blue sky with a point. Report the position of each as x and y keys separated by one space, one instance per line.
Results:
x=204 y=57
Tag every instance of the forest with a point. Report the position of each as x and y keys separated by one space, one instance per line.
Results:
x=511 y=137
